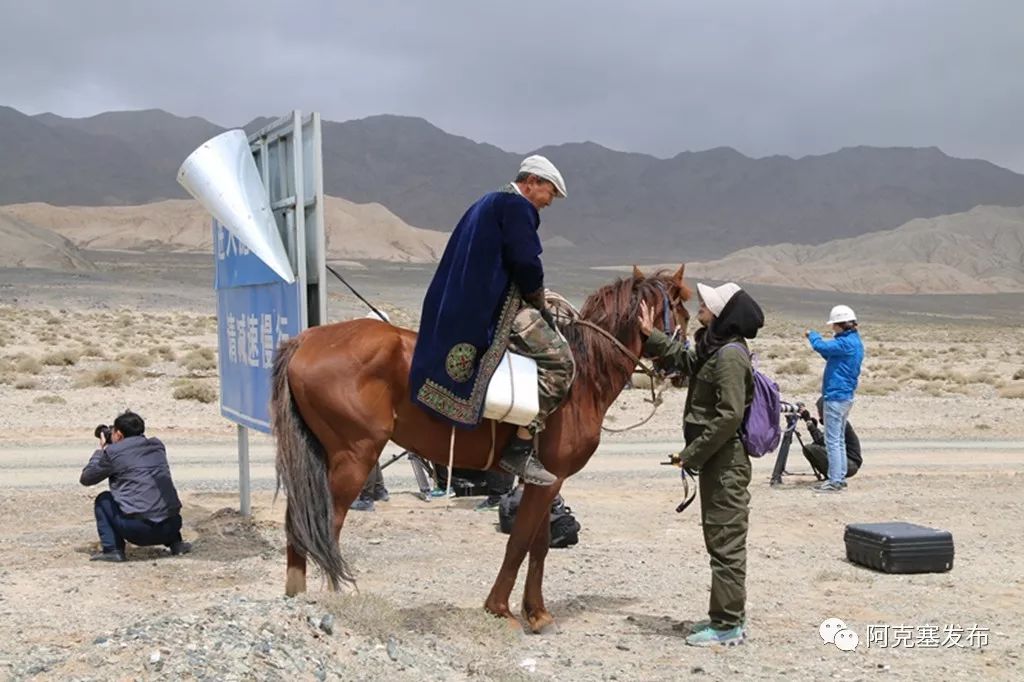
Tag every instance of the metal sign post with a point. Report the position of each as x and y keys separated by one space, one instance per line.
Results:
x=258 y=308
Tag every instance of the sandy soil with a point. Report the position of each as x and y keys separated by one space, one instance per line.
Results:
x=939 y=414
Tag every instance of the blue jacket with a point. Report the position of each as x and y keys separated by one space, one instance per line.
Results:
x=843 y=357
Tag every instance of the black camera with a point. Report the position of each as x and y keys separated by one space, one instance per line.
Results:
x=102 y=431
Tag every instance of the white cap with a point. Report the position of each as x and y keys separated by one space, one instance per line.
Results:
x=715 y=298
x=374 y=316
x=841 y=313
x=542 y=168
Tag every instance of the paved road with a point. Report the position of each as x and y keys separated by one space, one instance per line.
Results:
x=217 y=464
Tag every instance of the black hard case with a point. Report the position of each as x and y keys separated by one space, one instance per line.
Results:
x=899 y=547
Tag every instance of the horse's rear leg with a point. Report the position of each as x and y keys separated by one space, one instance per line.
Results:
x=348 y=473
x=534 y=512
x=295 y=577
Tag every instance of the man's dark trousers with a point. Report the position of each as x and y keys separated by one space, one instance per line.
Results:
x=115 y=528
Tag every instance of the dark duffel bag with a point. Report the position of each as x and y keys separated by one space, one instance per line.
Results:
x=899 y=547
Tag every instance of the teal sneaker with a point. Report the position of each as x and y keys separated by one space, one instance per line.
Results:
x=709 y=636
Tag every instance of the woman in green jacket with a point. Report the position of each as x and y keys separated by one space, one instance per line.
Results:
x=721 y=386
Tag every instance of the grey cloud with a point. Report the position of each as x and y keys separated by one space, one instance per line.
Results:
x=660 y=77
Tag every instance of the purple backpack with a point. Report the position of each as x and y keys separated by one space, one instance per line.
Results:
x=761 y=430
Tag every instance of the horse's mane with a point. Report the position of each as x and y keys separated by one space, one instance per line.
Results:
x=614 y=307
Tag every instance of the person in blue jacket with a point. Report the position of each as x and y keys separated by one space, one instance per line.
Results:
x=843 y=357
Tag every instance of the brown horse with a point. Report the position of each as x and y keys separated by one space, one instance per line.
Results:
x=341 y=392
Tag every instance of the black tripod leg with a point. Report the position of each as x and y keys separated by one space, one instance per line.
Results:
x=780 y=459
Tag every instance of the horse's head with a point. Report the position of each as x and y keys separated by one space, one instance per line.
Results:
x=667 y=295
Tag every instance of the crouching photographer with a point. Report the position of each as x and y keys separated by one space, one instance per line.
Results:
x=816 y=452
x=142 y=506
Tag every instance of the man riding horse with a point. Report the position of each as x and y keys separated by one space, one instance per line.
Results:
x=488 y=295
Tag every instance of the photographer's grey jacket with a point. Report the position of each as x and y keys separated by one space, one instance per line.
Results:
x=140 y=478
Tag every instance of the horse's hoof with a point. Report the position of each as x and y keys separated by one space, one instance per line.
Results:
x=538 y=621
x=503 y=612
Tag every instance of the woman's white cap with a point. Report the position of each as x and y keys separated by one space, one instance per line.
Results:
x=715 y=298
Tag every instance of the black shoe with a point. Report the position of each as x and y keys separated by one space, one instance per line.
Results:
x=114 y=555
x=518 y=458
x=489 y=503
x=362 y=504
x=381 y=495
x=178 y=548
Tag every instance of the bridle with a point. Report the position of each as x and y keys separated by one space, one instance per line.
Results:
x=670 y=329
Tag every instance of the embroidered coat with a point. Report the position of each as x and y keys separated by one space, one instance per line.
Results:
x=492 y=256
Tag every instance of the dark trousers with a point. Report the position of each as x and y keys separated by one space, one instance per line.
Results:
x=725 y=510
x=374 y=486
x=115 y=528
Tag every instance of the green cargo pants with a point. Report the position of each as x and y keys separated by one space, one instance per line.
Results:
x=533 y=337
x=724 y=513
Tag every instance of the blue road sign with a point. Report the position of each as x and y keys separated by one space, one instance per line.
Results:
x=256 y=311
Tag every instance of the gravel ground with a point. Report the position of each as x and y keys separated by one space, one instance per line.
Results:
x=619 y=597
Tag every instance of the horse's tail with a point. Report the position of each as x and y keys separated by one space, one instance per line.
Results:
x=301 y=467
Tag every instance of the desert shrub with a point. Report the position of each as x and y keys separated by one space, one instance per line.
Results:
x=199 y=360
x=136 y=360
x=195 y=390
x=1018 y=375
x=107 y=375
x=798 y=366
x=878 y=387
x=27 y=382
x=1012 y=392
x=91 y=350
x=28 y=365
x=925 y=374
x=163 y=352
x=50 y=399
x=61 y=358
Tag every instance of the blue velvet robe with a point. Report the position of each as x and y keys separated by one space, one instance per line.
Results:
x=492 y=256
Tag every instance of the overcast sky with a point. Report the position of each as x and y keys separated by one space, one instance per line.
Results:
x=763 y=76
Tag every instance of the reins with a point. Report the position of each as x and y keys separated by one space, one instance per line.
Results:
x=560 y=302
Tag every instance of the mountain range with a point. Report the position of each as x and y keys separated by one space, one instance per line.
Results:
x=633 y=206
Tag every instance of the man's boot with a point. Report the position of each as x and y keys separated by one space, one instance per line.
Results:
x=518 y=458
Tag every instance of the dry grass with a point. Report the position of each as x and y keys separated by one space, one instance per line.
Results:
x=136 y=359
x=200 y=359
x=50 y=399
x=164 y=352
x=28 y=365
x=61 y=358
x=1018 y=375
x=197 y=391
x=26 y=383
x=878 y=387
x=797 y=367
x=1012 y=392
x=108 y=376
x=91 y=350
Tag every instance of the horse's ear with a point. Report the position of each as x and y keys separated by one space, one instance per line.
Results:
x=677 y=279
x=636 y=273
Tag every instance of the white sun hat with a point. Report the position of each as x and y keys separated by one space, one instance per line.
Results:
x=715 y=298
x=542 y=168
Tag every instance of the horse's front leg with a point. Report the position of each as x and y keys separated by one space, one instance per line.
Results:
x=533 y=514
x=534 y=611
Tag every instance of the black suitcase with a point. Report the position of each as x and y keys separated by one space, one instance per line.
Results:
x=899 y=547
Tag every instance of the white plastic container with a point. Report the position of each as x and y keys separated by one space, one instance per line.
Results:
x=512 y=394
